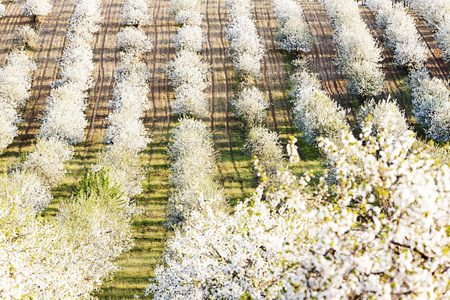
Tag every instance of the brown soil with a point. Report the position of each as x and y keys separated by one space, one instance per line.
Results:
x=8 y=25
x=323 y=53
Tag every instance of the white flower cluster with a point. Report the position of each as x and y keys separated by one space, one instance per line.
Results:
x=382 y=116
x=431 y=102
x=194 y=172
x=381 y=232
x=265 y=146
x=76 y=66
x=189 y=76
x=47 y=160
x=8 y=120
x=358 y=56
x=400 y=32
x=250 y=105
x=294 y=34
x=63 y=258
x=133 y=40
x=126 y=132
x=222 y=256
x=26 y=190
x=191 y=150
x=42 y=169
x=246 y=49
x=189 y=37
x=26 y=37
x=187 y=12
x=188 y=73
x=67 y=100
x=36 y=7
x=45 y=164
x=316 y=114
x=443 y=37
x=134 y=12
x=67 y=258
x=84 y=21
x=15 y=84
x=437 y=15
x=16 y=77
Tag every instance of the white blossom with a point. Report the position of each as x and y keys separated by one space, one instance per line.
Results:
x=124 y=168
x=443 y=37
x=36 y=7
x=134 y=12
x=65 y=258
x=265 y=146
x=431 y=100
x=437 y=15
x=67 y=99
x=358 y=55
x=129 y=104
x=2 y=10
x=8 y=124
x=381 y=232
x=184 y=5
x=400 y=32
x=292 y=150
x=250 y=105
x=69 y=256
x=383 y=115
x=246 y=49
x=188 y=74
x=84 y=21
x=126 y=134
x=187 y=12
x=15 y=78
x=194 y=172
x=15 y=84
x=316 y=114
x=47 y=160
x=26 y=37
x=26 y=189
x=76 y=65
x=294 y=33
x=189 y=38
x=135 y=40
x=65 y=102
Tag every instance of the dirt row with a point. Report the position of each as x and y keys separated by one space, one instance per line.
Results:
x=8 y=24
x=322 y=51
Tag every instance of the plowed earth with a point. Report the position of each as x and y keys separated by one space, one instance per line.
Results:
x=235 y=168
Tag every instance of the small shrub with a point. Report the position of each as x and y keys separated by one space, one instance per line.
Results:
x=134 y=12
x=26 y=37
x=383 y=116
x=36 y=7
x=250 y=105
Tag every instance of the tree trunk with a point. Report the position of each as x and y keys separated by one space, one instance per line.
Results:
x=37 y=20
